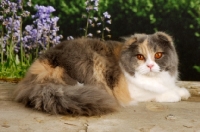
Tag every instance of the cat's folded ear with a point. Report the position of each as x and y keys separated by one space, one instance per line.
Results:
x=129 y=40
x=164 y=37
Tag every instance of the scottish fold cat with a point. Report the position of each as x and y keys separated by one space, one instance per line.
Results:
x=92 y=77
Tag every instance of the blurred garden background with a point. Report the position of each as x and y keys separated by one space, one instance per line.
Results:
x=179 y=18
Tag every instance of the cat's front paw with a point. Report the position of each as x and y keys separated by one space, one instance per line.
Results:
x=169 y=96
x=184 y=93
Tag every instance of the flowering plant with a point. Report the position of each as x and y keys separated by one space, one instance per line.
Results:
x=19 y=47
x=99 y=22
x=42 y=34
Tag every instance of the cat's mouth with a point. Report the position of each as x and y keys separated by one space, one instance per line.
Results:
x=151 y=73
x=148 y=73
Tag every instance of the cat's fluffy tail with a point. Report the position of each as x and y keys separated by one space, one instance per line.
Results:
x=65 y=99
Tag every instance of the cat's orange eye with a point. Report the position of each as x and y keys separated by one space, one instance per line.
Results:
x=140 y=57
x=158 y=55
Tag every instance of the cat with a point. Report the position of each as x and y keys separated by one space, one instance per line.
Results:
x=89 y=77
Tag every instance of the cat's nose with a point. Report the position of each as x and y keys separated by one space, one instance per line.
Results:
x=150 y=66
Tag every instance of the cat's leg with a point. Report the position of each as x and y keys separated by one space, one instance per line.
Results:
x=183 y=92
x=168 y=96
x=173 y=95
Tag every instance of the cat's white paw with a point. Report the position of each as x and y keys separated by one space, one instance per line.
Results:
x=170 y=96
x=183 y=92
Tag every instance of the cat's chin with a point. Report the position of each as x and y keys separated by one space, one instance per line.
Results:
x=149 y=74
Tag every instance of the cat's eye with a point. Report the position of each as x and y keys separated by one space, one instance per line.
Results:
x=140 y=57
x=158 y=55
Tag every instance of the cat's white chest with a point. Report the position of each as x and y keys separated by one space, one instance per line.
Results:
x=159 y=87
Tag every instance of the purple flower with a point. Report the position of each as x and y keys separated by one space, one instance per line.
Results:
x=19 y=4
x=98 y=24
x=96 y=8
x=106 y=15
x=29 y=3
x=90 y=35
x=29 y=28
x=98 y=31
x=1 y=18
x=13 y=7
x=43 y=12
x=89 y=8
x=55 y=20
x=108 y=21
x=50 y=9
x=19 y=1
x=70 y=38
x=40 y=34
x=43 y=31
x=90 y=21
x=107 y=29
x=8 y=6
x=25 y=13
x=96 y=2
x=12 y=25
x=92 y=5
x=95 y=19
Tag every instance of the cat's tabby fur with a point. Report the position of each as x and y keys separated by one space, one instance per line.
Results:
x=92 y=77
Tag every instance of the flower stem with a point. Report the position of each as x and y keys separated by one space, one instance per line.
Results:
x=22 y=55
x=21 y=45
x=87 y=23
x=2 y=54
x=103 y=26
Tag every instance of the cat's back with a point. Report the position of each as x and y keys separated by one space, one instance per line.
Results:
x=82 y=43
x=84 y=48
x=83 y=57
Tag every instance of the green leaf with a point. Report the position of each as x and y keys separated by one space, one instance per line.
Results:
x=197 y=68
x=197 y=34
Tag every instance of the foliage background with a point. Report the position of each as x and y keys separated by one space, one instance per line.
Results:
x=179 y=18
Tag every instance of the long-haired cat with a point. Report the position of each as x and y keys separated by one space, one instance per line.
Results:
x=91 y=77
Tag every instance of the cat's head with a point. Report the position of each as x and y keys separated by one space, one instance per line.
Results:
x=149 y=54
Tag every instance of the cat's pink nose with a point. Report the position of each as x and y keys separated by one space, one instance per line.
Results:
x=150 y=66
